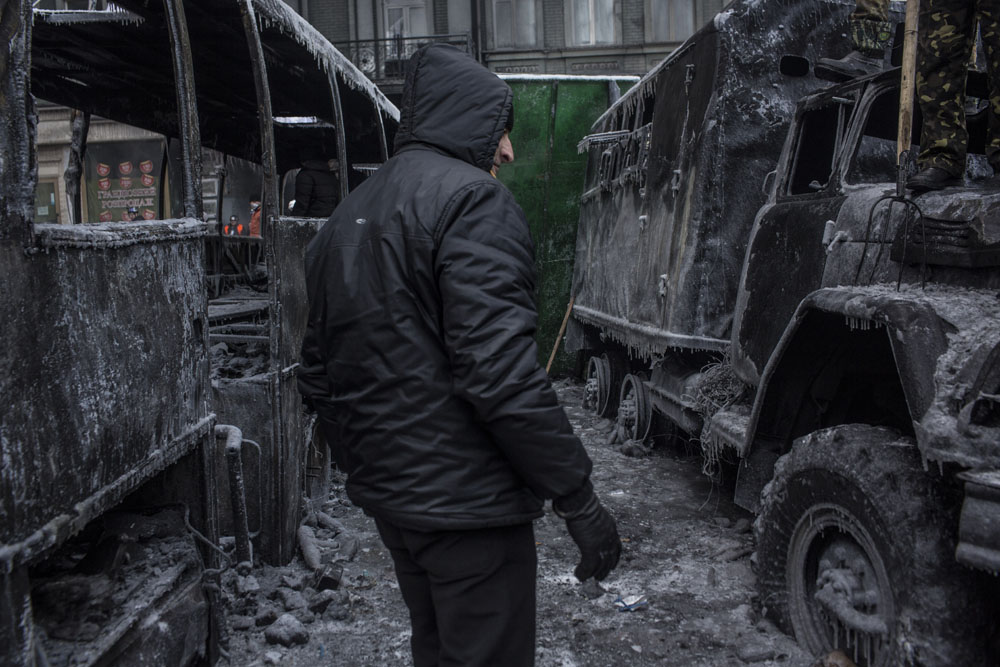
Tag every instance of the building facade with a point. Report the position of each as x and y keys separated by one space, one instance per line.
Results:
x=510 y=36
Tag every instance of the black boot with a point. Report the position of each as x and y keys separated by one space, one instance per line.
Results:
x=932 y=178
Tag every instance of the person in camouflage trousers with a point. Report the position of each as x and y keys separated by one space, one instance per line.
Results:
x=947 y=37
x=871 y=33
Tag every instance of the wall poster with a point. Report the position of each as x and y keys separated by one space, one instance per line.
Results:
x=124 y=181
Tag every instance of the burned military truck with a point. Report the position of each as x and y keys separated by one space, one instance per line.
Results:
x=129 y=460
x=748 y=272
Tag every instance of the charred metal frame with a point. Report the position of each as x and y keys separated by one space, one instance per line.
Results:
x=187 y=107
x=51 y=257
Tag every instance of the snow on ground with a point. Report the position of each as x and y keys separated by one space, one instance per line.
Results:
x=687 y=551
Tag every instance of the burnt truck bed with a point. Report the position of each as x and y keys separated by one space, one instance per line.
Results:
x=676 y=174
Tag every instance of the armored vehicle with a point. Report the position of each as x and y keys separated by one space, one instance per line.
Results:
x=749 y=272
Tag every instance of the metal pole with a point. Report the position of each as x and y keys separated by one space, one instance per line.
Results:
x=907 y=82
x=187 y=108
x=237 y=495
x=80 y=124
x=17 y=140
x=338 y=112
x=269 y=215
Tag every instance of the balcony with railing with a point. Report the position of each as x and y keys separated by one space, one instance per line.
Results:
x=384 y=60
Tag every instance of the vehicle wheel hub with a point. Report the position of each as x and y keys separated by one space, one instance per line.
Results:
x=839 y=589
x=846 y=586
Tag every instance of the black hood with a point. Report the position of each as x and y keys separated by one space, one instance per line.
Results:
x=454 y=104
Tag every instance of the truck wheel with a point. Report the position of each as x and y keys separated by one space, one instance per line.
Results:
x=604 y=377
x=635 y=412
x=597 y=390
x=855 y=551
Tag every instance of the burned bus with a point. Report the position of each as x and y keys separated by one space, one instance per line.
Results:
x=149 y=408
x=752 y=275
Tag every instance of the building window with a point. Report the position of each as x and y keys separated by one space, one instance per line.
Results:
x=592 y=21
x=671 y=20
x=405 y=18
x=513 y=23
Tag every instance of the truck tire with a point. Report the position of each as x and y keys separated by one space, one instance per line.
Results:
x=635 y=409
x=855 y=550
x=604 y=378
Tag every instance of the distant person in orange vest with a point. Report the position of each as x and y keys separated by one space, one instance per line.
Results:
x=317 y=187
x=254 y=217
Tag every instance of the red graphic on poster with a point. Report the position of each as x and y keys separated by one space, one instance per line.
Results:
x=130 y=188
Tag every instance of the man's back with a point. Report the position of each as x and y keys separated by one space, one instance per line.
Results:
x=422 y=316
x=420 y=361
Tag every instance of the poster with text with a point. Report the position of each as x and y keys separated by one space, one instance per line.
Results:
x=125 y=181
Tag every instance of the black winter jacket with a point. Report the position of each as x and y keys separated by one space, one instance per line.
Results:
x=317 y=190
x=419 y=355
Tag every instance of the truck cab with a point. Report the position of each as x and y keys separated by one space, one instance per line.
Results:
x=829 y=220
x=867 y=324
x=751 y=272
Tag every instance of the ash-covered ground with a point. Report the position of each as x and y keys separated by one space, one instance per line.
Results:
x=686 y=553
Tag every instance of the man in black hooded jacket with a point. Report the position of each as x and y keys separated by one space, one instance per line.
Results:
x=420 y=361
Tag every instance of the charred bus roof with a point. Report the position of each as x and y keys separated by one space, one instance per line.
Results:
x=118 y=64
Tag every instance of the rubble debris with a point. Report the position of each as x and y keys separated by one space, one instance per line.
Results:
x=591 y=590
x=294 y=580
x=239 y=622
x=305 y=616
x=247 y=585
x=265 y=617
x=291 y=599
x=136 y=604
x=319 y=602
x=320 y=519
x=755 y=653
x=630 y=602
x=635 y=448
x=287 y=631
x=735 y=553
x=330 y=523
x=310 y=550
x=329 y=577
x=348 y=549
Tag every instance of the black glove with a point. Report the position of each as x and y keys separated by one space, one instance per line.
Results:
x=593 y=530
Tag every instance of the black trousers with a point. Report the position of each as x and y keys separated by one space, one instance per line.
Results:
x=471 y=593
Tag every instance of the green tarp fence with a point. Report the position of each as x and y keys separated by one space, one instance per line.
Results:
x=551 y=116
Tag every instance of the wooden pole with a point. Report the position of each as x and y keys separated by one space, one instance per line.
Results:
x=562 y=330
x=907 y=84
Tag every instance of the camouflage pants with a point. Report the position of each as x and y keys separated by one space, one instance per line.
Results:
x=945 y=43
x=871 y=10
x=870 y=27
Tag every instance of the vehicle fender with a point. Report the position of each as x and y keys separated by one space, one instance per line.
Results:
x=941 y=339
